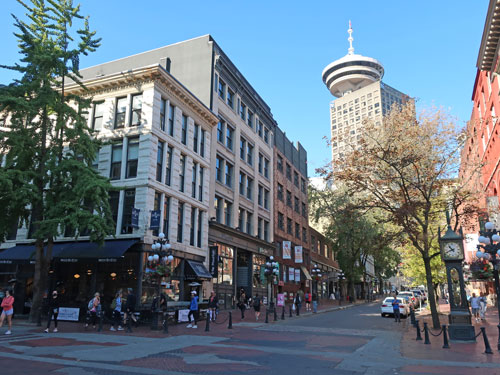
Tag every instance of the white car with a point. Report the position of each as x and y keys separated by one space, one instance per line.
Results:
x=386 y=308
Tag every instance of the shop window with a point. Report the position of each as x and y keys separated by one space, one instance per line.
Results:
x=225 y=272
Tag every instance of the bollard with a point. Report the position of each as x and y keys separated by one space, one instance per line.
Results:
x=267 y=315
x=487 y=347
x=426 y=334
x=207 y=326
x=165 y=322
x=445 y=338
x=230 y=325
x=283 y=313
x=412 y=316
x=290 y=311
x=101 y=316
x=498 y=342
x=417 y=326
x=275 y=314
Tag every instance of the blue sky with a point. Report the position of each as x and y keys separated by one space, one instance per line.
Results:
x=428 y=48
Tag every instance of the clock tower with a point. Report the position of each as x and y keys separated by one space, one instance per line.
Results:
x=452 y=253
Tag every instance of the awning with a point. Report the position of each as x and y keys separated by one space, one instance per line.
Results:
x=110 y=251
x=306 y=273
x=196 y=270
x=18 y=254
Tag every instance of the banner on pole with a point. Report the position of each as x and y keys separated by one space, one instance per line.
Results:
x=298 y=254
x=287 y=250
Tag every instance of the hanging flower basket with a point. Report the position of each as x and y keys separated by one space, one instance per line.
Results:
x=481 y=270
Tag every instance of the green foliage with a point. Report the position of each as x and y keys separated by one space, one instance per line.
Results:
x=413 y=267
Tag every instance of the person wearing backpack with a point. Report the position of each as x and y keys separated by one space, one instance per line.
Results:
x=307 y=297
x=298 y=303
x=94 y=309
x=116 y=306
x=256 y=306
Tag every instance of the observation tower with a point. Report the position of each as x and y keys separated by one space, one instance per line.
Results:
x=351 y=72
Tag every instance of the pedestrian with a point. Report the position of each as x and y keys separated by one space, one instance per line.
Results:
x=193 y=310
x=242 y=303
x=256 y=306
x=474 y=304
x=94 y=309
x=53 y=311
x=116 y=306
x=298 y=303
x=482 y=306
x=8 y=310
x=395 y=309
x=315 y=303
x=129 y=316
x=212 y=305
x=308 y=297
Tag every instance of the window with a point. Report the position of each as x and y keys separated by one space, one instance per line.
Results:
x=260 y=197
x=95 y=162
x=304 y=234
x=289 y=198
x=296 y=179
x=266 y=199
x=182 y=172
x=260 y=228
x=279 y=164
x=166 y=216
x=241 y=219
x=230 y=98
x=249 y=188
x=229 y=175
x=219 y=162
x=281 y=221
x=266 y=135
x=132 y=157
x=229 y=137
x=159 y=161
x=242 y=183
x=193 y=182
x=243 y=145
x=259 y=128
x=171 y=117
x=136 y=112
x=303 y=185
x=114 y=201
x=289 y=225
x=193 y=223
x=227 y=213
x=200 y=228
x=296 y=206
x=249 y=154
x=184 y=129
x=157 y=207
x=120 y=110
x=128 y=204
x=266 y=230
x=218 y=209
x=200 y=186
x=222 y=89
x=280 y=192
x=250 y=118
x=116 y=161
x=195 y=137
x=180 y=221
x=202 y=144
x=304 y=212
x=249 y=223
x=220 y=131
x=261 y=163
x=266 y=168
x=168 y=173
x=163 y=110
x=97 y=115
x=297 y=230
x=288 y=172
x=243 y=109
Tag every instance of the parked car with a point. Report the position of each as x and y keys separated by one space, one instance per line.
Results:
x=387 y=309
x=419 y=295
x=412 y=297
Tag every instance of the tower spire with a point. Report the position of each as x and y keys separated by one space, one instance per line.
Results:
x=350 y=39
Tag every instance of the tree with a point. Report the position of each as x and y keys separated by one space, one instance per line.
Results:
x=47 y=180
x=407 y=167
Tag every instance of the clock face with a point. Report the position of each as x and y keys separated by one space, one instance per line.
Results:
x=452 y=250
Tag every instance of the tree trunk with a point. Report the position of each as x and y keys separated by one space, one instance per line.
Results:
x=351 y=292
x=432 y=295
x=36 y=303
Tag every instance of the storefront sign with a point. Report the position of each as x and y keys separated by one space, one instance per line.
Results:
x=68 y=260
x=280 y=301
x=155 y=219
x=298 y=254
x=291 y=274
x=213 y=260
x=107 y=260
x=297 y=274
x=135 y=217
x=287 y=250
x=68 y=313
x=183 y=316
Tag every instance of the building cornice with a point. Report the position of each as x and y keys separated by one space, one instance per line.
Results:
x=488 y=51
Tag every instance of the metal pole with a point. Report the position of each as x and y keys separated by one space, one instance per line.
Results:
x=283 y=313
x=426 y=334
x=497 y=287
x=445 y=338
x=487 y=347
x=417 y=326
x=230 y=325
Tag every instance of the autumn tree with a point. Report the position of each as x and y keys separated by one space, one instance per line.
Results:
x=47 y=181
x=406 y=165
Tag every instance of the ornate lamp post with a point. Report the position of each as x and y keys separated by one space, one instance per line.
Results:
x=341 y=276
x=160 y=261
x=271 y=271
x=489 y=251
x=316 y=275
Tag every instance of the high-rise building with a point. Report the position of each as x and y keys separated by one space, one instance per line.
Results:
x=356 y=82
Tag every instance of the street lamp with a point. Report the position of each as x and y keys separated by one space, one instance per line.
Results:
x=160 y=261
x=316 y=276
x=271 y=271
x=489 y=251
x=341 y=277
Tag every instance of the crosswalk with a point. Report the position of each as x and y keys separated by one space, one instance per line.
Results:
x=18 y=337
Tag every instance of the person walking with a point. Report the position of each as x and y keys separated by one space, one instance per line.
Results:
x=116 y=305
x=94 y=310
x=193 y=310
x=308 y=299
x=395 y=309
x=315 y=303
x=482 y=306
x=8 y=310
x=474 y=304
x=242 y=304
x=53 y=311
x=129 y=316
x=256 y=306
x=212 y=305
x=298 y=304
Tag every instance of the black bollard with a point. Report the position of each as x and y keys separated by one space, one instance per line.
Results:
x=275 y=314
x=101 y=318
x=498 y=342
x=165 y=322
x=487 y=347
x=290 y=311
x=417 y=326
x=426 y=334
x=283 y=313
x=298 y=311
x=445 y=338
x=267 y=315
x=230 y=325
x=207 y=326
x=412 y=316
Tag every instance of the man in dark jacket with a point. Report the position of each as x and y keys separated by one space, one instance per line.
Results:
x=53 y=304
x=130 y=306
